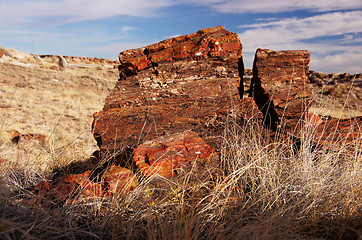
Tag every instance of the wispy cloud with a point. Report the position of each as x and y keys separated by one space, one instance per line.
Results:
x=25 y=12
x=267 y=6
x=111 y=50
x=292 y=29
x=311 y=33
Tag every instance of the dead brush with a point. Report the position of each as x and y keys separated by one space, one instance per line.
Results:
x=268 y=190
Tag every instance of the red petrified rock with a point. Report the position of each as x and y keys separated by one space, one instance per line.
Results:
x=313 y=120
x=76 y=187
x=163 y=156
x=67 y=189
x=186 y=83
x=339 y=130
x=119 y=179
x=279 y=86
x=3 y=161
x=206 y=43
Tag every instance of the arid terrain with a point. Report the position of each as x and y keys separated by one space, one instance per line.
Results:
x=38 y=96
x=45 y=95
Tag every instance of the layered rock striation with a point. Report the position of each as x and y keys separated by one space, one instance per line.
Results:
x=191 y=82
x=279 y=88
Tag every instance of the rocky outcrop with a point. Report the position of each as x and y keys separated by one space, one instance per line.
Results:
x=190 y=82
x=169 y=108
x=279 y=86
x=79 y=60
x=166 y=156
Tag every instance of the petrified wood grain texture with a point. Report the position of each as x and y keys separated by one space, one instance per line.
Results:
x=186 y=83
x=279 y=86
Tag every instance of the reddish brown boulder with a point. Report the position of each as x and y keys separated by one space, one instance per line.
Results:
x=338 y=131
x=67 y=189
x=186 y=83
x=119 y=179
x=77 y=187
x=279 y=86
x=165 y=155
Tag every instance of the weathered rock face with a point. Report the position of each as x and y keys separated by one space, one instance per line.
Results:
x=186 y=83
x=206 y=43
x=79 y=187
x=279 y=86
x=339 y=131
x=165 y=155
x=250 y=110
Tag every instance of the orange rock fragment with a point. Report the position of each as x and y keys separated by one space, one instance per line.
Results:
x=313 y=119
x=163 y=156
x=120 y=179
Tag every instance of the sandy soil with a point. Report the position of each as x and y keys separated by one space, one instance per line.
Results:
x=37 y=96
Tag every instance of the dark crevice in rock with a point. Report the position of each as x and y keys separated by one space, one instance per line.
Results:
x=121 y=157
x=278 y=87
x=262 y=100
x=126 y=69
x=241 y=75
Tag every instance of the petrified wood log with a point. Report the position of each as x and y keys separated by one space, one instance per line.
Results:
x=190 y=82
x=279 y=87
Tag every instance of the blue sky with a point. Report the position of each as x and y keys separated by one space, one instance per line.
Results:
x=330 y=29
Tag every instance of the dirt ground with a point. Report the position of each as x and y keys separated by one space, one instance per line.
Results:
x=38 y=96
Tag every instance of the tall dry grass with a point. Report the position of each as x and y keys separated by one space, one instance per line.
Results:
x=267 y=191
x=264 y=189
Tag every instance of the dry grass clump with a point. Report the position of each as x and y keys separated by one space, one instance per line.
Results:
x=267 y=191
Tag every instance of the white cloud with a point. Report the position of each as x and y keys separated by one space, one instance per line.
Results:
x=339 y=63
x=292 y=29
x=268 y=6
x=301 y=33
x=22 y=12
